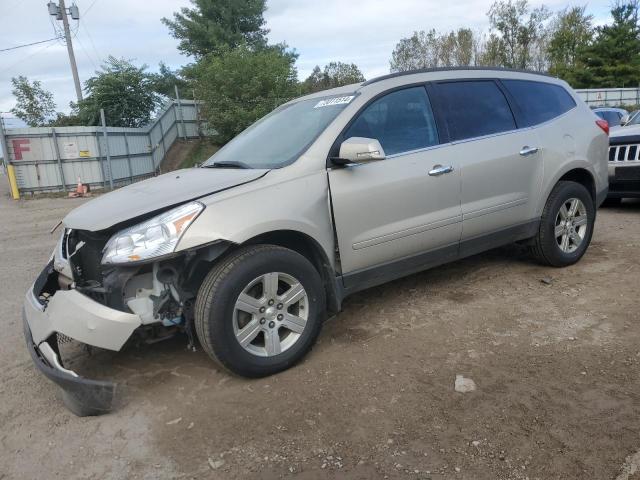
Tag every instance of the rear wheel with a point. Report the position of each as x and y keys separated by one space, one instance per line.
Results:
x=260 y=310
x=566 y=225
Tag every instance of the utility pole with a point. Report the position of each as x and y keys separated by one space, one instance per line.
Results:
x=60 y=12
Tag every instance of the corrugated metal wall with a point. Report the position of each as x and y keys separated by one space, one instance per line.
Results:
x=44 y=156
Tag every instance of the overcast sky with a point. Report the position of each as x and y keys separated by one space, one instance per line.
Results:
x=359 y=31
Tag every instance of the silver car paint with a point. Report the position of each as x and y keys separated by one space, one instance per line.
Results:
x=384 y=210
x=379 y=221
x=154 y=194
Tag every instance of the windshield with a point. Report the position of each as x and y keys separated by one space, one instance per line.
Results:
x=634 y=119
x=282 y=136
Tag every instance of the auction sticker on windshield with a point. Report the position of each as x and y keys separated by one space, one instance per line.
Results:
x=334 y=101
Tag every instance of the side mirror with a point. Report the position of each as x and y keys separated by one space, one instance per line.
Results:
x=359 y=150
x=624 y=120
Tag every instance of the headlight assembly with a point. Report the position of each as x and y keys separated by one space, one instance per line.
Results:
x=153 y=238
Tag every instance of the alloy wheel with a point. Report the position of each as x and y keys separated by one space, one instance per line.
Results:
x=270 y=314
x=571 y=225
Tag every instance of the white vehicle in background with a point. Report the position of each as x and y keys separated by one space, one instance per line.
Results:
x=624 y=162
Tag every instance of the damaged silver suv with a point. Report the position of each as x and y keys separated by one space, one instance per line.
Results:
x=329 y=194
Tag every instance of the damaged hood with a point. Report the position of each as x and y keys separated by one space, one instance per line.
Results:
x=155 y=194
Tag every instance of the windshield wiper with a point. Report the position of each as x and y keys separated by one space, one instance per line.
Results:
x=227 y=164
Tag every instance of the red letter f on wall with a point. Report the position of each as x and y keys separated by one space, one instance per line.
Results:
x=20 y=145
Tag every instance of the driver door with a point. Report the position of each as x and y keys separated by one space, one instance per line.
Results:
x=403 y=213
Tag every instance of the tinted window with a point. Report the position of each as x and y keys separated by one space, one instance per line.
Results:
x=475 y=108
x=612 y=118
x=401 y=121
x=539 y=101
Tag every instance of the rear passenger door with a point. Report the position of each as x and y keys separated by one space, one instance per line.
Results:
x=500 y=165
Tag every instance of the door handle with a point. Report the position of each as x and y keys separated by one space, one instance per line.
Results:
x=440 y=170
x=527 y=150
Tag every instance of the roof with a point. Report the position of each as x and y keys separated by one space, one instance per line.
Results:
x=452 y=69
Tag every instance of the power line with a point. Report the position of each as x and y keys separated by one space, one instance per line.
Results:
x=6 y=69
x=27 y=44
x=87 y=10
x=86 y=30
x=85 y=51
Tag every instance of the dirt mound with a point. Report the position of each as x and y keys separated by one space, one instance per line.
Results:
x=177 y=154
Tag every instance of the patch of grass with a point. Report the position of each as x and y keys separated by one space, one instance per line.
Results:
x=200 y=153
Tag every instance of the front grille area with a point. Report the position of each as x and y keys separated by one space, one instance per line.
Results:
x=624 y=153
x=85 y=254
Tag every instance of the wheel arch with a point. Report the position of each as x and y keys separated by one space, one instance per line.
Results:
x=310 y=249
x=582 y=176
x=579 y=172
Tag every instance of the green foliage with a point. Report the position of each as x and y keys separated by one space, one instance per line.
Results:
x=433 y=49
x=335 y=74
x=213 y=25
x=613 y=59
x=124 y=91
x=67 y=120
x=520 y=30
x=34 y=104
x=165 y=81
x=241 y=85
x=571 y=32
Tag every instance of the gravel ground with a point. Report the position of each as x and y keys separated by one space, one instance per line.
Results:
x=554 y=355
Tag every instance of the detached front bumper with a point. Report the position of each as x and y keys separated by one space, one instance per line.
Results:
x=74 y=315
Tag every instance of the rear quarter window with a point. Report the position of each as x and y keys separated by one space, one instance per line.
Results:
x=538 y=101
x=474 y=108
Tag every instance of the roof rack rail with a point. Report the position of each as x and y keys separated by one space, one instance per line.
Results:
x=445 y=69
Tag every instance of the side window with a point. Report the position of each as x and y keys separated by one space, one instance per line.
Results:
x=401 y=121
x=475 y=108
x=539 y=101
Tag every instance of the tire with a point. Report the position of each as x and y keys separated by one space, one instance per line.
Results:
x=221 y=317
x=550 y=249
x=612 y=202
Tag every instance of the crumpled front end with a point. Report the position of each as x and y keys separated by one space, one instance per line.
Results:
x=79 y=297
x=48 y=312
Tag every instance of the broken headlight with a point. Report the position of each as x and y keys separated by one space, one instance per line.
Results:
x=153 y=238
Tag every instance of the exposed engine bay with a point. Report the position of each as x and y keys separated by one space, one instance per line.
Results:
x=161 y=293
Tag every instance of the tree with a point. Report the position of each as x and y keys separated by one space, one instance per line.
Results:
x=490 y=51
x=34 y=104
x=519 y=31
x=213 y=25
x=67 y=120
x=420 y=50
x=335 y=74
x=432 y=49
x=124 y=91
x=613 y=59
x=241 y=85
x=165 y=81
x=571 y=32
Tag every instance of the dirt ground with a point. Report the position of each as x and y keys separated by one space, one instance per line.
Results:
x=555 y=363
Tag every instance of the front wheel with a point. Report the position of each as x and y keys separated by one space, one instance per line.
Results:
x=260 y=310
x=566 y=225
